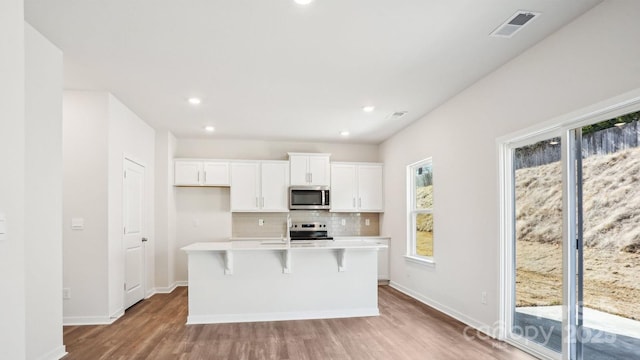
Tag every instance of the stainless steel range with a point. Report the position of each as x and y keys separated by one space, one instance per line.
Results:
x=309 y=231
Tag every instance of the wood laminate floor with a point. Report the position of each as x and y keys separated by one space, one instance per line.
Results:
x=406 y=329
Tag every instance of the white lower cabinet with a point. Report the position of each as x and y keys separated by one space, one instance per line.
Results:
x=259 y=186
x=383 y=260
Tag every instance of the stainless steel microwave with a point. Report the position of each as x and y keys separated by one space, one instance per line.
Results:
x=309 y=198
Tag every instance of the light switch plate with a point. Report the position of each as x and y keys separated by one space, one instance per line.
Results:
x=3 y=227
x=77 y=224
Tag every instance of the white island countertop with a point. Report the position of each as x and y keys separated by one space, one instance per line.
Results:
x=279 y=244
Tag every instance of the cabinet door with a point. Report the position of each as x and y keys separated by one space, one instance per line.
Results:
x=319 y=170
x=275 y=186
x=343 y=188
x=187 y=172
x=370 y=188
x=383 y=261
x=299 y=170
x=244 y=186
x=216 y=174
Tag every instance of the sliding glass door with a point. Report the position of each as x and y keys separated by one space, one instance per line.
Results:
x=608 y=256
x=572 y=231
x=537 y=178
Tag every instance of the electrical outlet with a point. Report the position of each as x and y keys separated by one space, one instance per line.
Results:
x=343 y=222
x=260 y=222
x=66 y=294
x=483 y=297
x=367 y=222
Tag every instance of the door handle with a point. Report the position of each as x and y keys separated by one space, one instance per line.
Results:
x=144 y=239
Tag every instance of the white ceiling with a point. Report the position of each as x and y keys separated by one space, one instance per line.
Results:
x=272 y=69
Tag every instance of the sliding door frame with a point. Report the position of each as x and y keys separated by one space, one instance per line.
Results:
x=568 y=128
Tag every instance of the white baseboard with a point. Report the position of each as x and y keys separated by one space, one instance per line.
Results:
x=259 y=317
x=87 y=320
x=477 y=325
x=166 y=289
x=55 y=354
x=117 y=315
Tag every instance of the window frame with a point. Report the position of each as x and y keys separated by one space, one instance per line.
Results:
x=412 y=212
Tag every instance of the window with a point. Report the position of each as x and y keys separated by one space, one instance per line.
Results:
x=420 y=210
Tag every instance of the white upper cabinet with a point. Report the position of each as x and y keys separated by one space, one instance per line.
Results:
x=201 y=173
x=245 y=183
x=216 y=174
x=370 y=188
x=187 y=173
x=259 y=186
x=310 y=169
x=356 y=187
x=344 y=189
x=275 y=185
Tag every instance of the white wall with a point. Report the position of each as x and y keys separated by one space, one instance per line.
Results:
x=12 y=158
x=202 y=214
x=43 y=197
x=590 y=60
x=99 y=131
x=85 y=130
x=272 y=150
x=165 y=219
x=130 y=137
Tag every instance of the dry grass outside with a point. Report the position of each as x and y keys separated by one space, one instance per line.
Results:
x=610 y=278
x=424 y=243
x=424 y=222
x=611 y=195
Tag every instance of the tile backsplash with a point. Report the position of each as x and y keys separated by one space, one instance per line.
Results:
x=275 y=224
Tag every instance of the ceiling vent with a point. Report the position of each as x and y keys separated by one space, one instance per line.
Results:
x=398 y=114
x=514 y=24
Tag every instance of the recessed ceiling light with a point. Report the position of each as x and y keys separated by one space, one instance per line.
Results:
x=368 y=108
x=194 y=101
x=209 y=128
x=303 y=2
x=344 y=132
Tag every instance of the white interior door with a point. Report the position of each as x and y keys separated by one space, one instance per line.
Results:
x=133 y=205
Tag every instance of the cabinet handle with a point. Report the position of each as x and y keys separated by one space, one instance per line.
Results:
x=311 y=178
x=205 y=177
x=262 y=202
x=257 y=205
x=359 y=202
x=354 y=202
x=198 y=176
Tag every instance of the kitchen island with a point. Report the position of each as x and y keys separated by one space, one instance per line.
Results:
x=272 y=279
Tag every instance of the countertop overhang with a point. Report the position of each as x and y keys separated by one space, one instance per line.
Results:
x=286 y=247
x=279 y=244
